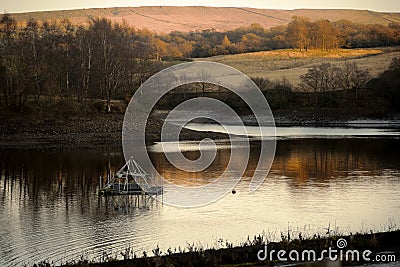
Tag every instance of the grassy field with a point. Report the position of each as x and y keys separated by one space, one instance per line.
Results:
x=291 y=64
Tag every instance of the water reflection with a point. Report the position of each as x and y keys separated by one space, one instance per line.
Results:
x=44 y=177
x=319 y=161
x=348 y=130
x=49 y=208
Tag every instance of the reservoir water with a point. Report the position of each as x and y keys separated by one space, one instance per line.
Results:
x=336 y=180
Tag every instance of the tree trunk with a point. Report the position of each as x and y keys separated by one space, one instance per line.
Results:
x=109 y=101
x=108 y=105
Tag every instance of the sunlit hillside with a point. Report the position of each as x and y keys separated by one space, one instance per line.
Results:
x=167 y=19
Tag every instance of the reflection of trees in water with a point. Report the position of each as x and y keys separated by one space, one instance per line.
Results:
x=45 y=178
x=322 y=160
x=73 y=176
x=218 y=166
x=316 y=160
x=180 y=177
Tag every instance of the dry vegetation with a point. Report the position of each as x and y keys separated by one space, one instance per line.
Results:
x=109 y=61
x=291 y=64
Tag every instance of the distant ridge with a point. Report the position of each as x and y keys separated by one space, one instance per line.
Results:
x=164 y=19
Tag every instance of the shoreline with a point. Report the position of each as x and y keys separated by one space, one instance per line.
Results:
x=63 y=132
x=246 y=254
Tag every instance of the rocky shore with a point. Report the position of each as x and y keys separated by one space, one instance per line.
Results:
x=32 y=131
x=27 y=132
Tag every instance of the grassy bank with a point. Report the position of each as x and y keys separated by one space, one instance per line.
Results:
x=245 y=254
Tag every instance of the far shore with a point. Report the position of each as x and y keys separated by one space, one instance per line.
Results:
x=26 y=131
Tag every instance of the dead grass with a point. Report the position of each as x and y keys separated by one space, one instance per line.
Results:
x=291 y=64
x=297 y=54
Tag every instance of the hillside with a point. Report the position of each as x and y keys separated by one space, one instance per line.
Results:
x=291 y=64
x=166 y=19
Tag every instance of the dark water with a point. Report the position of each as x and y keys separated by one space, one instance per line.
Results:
x=50 y=210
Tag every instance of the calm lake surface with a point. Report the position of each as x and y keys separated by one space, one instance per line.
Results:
x=346 y=179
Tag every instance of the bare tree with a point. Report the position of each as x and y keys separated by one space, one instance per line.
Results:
x=351 y=76
x=320 y=78
x=7 y=46
x=85 y=48
x=111 y=43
